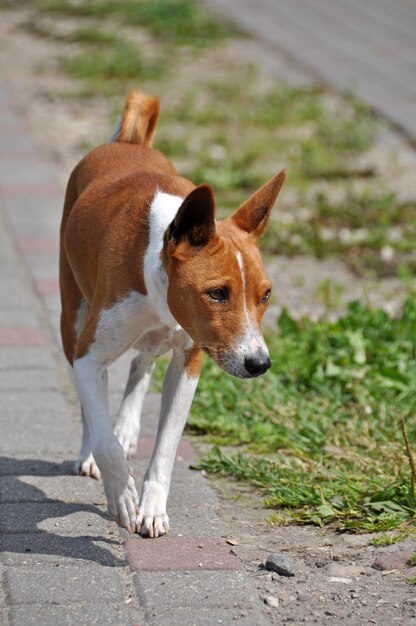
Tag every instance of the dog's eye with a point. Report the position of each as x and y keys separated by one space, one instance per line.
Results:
x=218 y=295
x=266 y=297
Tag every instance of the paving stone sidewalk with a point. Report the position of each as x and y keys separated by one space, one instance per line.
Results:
x=368 y=47
x=63 y=561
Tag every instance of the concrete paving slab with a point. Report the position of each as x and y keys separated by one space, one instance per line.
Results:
x=71 y=489
x=35 y=403
x=82 y=614
x=350 y=45
x=56 y=517
x=39 y=432
x=43 y=263
x=15 y=293
x=40 y=464
x=207 y=617
x=61 y=553
x=4 y=617
x=29 y=379
x=35 y=171
x=60 y=585
x=47 y=549
x=16 y=315
x=210 y=590
x=20 y=356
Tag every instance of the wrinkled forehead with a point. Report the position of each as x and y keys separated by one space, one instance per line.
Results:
x=241 y=251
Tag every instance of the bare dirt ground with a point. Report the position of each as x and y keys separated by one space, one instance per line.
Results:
x=334 y=580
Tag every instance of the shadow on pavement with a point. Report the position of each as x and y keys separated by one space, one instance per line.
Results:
x=24 y=507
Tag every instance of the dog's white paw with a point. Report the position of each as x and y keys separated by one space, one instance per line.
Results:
x=127 y=433
x=87 y=467
x=123 y=503
x=152 y=520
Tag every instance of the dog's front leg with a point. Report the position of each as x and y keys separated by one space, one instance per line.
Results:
x=178 y=391
x=119 y=486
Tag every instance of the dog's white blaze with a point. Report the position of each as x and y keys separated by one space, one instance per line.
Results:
x=251 y=337
x=163 y=209
x=243 y=279
x=252 y=341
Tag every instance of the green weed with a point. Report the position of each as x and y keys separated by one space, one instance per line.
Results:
x=387 y=539
x=320 y=434
x=234 y=132
x=93 y=36
x=369 y=231
x=106 y=68
x=180 y=22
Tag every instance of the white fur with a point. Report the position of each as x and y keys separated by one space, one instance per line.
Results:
x=127 y=427
x=81 y=317
x=85 y=463
x=162 y=212
x=118 y=483
x=243 y=280
x=252 y=341
x=146 y=323
x=178 y=391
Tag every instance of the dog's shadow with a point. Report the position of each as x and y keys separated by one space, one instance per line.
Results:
x=21 y=498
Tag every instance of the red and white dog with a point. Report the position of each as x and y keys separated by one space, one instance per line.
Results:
x=144 y=264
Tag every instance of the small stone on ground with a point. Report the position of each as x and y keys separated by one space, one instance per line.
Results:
x=280 y=563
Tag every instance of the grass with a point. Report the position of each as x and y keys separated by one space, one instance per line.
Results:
x=320 y=435
x=293 y=127
x=245 y=135
x=369 y=231
x=104 y=67
x=178 y=22
x=235 y=139
x=386 y=539
x=235 y=130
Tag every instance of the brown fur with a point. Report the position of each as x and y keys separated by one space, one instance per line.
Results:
x=217 y=260
x=104 y=232
x=139 y=119
x=193 y=362
x=104 y=237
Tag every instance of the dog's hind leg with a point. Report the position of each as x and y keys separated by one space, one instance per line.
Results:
x=85 y=464
x=127 y=426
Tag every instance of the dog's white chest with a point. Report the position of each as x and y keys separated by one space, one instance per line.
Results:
x=158 y=341
x=133 y=322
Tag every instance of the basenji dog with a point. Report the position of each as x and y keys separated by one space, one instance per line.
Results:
x=145 y=265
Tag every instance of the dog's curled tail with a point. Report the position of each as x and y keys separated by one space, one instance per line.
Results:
x=138 y=122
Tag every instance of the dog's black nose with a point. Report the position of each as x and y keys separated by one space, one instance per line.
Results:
x=257 y=365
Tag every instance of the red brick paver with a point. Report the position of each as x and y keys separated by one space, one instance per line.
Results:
x=11 y=336
x=31 y=189
x=47 y=286
x=38 y=245
x=146 y=444
x=180 y=553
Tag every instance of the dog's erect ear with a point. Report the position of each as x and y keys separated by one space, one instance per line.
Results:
x=253 y=214
x=194 y=224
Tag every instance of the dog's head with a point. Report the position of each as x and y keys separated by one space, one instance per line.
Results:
x=218 y=290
